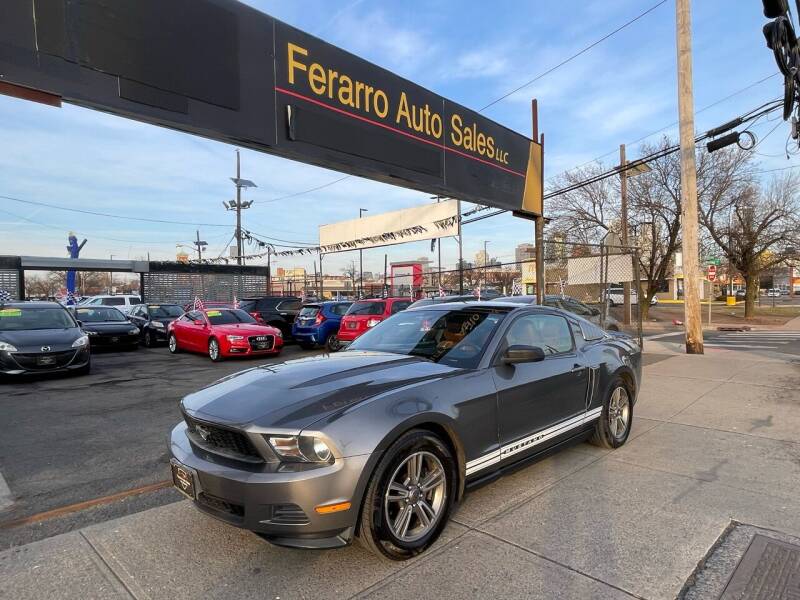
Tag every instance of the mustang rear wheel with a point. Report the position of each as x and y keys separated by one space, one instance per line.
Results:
x=409 y=497
x=614 y=425
x=213 y=350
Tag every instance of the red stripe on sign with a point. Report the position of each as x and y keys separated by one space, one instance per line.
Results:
x=395 y=130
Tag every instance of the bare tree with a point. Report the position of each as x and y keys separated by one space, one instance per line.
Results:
x=755 y=226
x=585 y=212
x=351 y=272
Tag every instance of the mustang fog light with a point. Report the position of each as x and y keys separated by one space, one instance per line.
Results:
x=301 y=448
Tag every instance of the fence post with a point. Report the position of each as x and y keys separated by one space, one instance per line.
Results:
x=637 y=281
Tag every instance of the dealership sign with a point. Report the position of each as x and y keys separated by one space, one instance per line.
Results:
x=221 y=69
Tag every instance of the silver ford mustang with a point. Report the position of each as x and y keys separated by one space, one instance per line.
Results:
x=379 y=442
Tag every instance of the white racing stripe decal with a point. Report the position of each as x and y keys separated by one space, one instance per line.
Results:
x=531 y=441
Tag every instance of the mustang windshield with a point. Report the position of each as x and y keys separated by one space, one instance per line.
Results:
x=456 y=337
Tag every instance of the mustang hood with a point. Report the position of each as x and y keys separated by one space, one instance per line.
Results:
x=295 y=394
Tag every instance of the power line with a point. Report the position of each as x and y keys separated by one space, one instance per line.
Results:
x=576 y=55
x=314 y=189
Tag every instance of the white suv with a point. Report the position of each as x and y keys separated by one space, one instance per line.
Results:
x=123 y=302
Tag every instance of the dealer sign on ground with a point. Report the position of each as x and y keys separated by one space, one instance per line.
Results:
x=224 y=70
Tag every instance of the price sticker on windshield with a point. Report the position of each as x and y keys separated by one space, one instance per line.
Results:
x=214 y=313
x=10 y=312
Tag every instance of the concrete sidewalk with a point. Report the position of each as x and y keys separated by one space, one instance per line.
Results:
x=715 y=439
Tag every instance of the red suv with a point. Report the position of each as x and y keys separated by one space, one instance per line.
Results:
x=364 y=314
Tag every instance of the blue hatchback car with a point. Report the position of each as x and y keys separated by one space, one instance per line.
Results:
x=318 y=323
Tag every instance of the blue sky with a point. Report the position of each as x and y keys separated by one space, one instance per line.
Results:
x=471 y=52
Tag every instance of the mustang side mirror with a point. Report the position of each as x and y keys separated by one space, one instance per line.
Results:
x=522 y=354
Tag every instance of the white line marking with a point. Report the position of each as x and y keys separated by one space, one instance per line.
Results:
x=5 y=494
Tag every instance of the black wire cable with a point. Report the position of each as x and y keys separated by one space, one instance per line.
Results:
x=574 y=56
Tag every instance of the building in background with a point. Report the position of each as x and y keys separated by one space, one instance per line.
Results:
x=524 y=252
x=407 y=279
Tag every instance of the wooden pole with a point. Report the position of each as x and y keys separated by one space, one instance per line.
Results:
x=623 y=188
x=539 y=224
x=689 y=222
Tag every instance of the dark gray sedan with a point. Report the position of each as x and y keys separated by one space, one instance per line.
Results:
x=379 y=442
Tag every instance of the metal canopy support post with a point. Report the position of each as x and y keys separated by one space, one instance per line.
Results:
x=460 y=253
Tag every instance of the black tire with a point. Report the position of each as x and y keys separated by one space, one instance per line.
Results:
x=375 y=531
x=332 y=344
x=605 y=435
x=147 y=339
x=307 y=345
x=612 y=328
x=173 y=344
x=215 y=356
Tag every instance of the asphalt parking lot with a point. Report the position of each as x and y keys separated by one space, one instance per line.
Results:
x=73 y=439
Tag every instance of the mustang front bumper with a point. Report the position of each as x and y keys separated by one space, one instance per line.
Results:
x=276 y=501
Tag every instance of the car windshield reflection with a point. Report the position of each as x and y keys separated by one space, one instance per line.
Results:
x=456 y=338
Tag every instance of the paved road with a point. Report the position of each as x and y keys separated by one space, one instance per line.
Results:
x=71 y=439
x=784 y=342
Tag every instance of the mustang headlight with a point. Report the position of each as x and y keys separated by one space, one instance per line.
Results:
x=235 y=338
x=302 y=448
x=81 y=342
x=6 y=347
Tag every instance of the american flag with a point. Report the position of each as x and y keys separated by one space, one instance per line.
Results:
x=198 y=304
x=70 y=299
x=516 y=287
x=441 y=291
x=235 y=302
x=477 y=292
x=385 y=291
x=5 y=296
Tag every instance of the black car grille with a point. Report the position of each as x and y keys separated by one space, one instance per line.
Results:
x=31 y=362
x=220 y=505
x=261 y=342
x=222 y=441
x=288 y=514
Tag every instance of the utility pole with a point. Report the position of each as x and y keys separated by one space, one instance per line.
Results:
x=485 y=264
x=623 y=187
x=238 y=205
x=460 y=252
x=361 y=211
x=538 y=237
x=691 y=269
x=199 y=244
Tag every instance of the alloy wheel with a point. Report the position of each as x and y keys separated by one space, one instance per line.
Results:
x=415 y=497
x=213 y=349
x=173 y=343
x=619 y=411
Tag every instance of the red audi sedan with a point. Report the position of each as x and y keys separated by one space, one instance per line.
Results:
x=223 y=333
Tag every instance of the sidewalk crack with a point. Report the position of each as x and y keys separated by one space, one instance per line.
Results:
x=111 y=570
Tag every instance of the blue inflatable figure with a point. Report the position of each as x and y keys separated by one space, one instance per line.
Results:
x=74 y=250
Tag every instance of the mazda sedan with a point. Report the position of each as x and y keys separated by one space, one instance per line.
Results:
x=379 y=442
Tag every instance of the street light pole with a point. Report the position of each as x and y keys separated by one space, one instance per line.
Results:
x=689 y=222
x=361 y=211
x=238 y=209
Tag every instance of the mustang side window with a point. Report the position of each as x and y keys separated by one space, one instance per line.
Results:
x=549 y=332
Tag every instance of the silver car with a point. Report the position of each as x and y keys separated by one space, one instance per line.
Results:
x=377 y=443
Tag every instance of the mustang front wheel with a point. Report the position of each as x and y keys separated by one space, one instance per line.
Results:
x=614 y=425
x=409 y=497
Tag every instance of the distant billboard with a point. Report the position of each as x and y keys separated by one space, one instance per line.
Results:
x=396 y=227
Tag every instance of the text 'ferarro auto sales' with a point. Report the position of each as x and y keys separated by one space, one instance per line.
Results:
x=325 y=81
